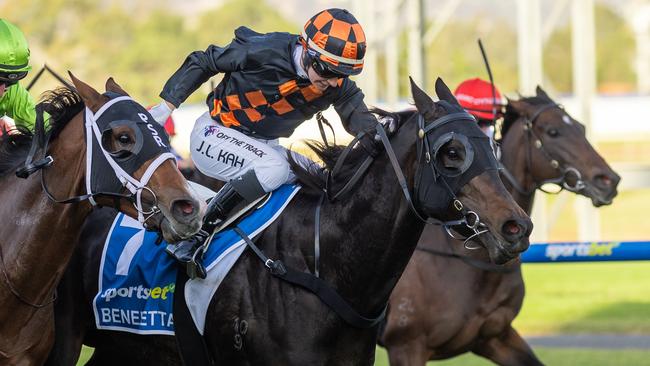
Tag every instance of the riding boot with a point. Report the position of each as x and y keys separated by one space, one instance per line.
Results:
x=236 y=193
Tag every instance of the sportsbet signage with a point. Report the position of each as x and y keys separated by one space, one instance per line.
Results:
x=136 y=283
x=156 y=319
x=589 y=251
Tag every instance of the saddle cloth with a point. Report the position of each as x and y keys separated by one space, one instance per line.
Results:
x=137 y=278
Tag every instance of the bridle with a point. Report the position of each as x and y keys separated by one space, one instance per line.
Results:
x=467 y=218
x=565 y=170
x=40 y=141
x=134 y=186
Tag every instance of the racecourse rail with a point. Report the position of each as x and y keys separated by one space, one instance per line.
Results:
x=587 y=252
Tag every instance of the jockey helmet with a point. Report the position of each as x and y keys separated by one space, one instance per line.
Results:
x=14 y=53
x=475 y=95
x=335 y=43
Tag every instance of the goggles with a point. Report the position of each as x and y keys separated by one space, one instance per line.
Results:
x=325 y=71
x=11 y=78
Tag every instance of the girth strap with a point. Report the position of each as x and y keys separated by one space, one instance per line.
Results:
x=316 y=285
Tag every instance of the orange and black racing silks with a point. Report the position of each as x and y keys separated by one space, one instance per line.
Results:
x=261 y=93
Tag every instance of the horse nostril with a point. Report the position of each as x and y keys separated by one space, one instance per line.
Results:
x=185 y=207
x=603 y=181
x=512 y=228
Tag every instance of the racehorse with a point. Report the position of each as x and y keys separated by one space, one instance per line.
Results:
x=448 y=300
x=39 y=229
x=367 y=235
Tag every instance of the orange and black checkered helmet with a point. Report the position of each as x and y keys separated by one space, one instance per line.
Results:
x=335 y=38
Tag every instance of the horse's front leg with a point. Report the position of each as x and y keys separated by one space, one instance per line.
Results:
x=507 y=349
x=413 y=353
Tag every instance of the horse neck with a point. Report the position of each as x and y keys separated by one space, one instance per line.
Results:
x=514 y=157
x=376 y=235
x=44 y=231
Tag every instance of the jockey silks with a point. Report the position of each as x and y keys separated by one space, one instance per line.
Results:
x=261 y=93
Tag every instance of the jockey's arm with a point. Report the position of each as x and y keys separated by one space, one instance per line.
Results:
x=200 y=66
x=352 y=109
x=197 y=68
x=18 y=104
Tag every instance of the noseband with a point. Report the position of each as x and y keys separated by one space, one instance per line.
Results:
x=565 y=170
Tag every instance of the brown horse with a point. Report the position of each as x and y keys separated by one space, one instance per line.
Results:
x=448 y=302
x=367 y=237
x=39 y=230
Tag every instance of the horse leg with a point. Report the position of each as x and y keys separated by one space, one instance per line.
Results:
x=69 y=317
x=408 y=354
x=507 y=349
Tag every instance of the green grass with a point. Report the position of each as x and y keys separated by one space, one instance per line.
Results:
x=552 y=356
x=605 y=297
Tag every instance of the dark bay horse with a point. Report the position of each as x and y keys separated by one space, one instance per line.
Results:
x=367 y=237
x=39 y=231
x=444 y=306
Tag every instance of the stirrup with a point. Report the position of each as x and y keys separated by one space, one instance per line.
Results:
x=257 y=203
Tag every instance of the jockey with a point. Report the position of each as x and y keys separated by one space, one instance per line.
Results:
x=15 y=100
x=272 y=83
x=475 y=95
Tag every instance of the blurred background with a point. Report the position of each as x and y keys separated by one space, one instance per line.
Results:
x=593 y=56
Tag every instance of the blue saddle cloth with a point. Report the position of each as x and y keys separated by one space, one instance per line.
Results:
x=137 y=278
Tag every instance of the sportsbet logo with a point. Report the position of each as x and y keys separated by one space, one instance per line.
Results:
x=580 y=250
x=140 y=292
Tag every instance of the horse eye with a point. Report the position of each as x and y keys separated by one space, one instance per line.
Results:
x=124 y=139
x=553 y=132
x=453 y=154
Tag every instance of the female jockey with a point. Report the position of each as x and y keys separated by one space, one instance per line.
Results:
x=475 y=95
x=272 y=83
x=15 y=100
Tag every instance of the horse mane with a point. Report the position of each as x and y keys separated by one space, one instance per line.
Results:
x=314 y=176
x=512 y=115
x=62 y=104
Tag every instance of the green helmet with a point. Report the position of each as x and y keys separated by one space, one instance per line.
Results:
x=14 y=51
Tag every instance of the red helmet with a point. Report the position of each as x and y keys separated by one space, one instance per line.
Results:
x=335 y=40
x=475 y=95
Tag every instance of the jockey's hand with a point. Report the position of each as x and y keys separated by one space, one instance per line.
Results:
x=372 y=142
x=160 y=112
x=390 y=126
x=6 y=126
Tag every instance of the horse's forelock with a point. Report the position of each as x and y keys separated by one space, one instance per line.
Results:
x=62 y=104
x=512 y=115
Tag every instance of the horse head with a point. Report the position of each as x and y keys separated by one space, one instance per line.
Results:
x=557 y=150
x=128 y=158
x=458 y=178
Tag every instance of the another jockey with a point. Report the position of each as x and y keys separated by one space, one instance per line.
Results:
x=476 y=96
x=272 y=83
x=15 y=100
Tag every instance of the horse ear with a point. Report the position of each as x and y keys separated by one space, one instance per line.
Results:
x=519 y=106
x=91 y=97
x=114 y=87
x=444 y=93
x=423 y=102
x=541 y=93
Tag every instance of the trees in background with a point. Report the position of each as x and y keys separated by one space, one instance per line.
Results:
x=142 y=43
